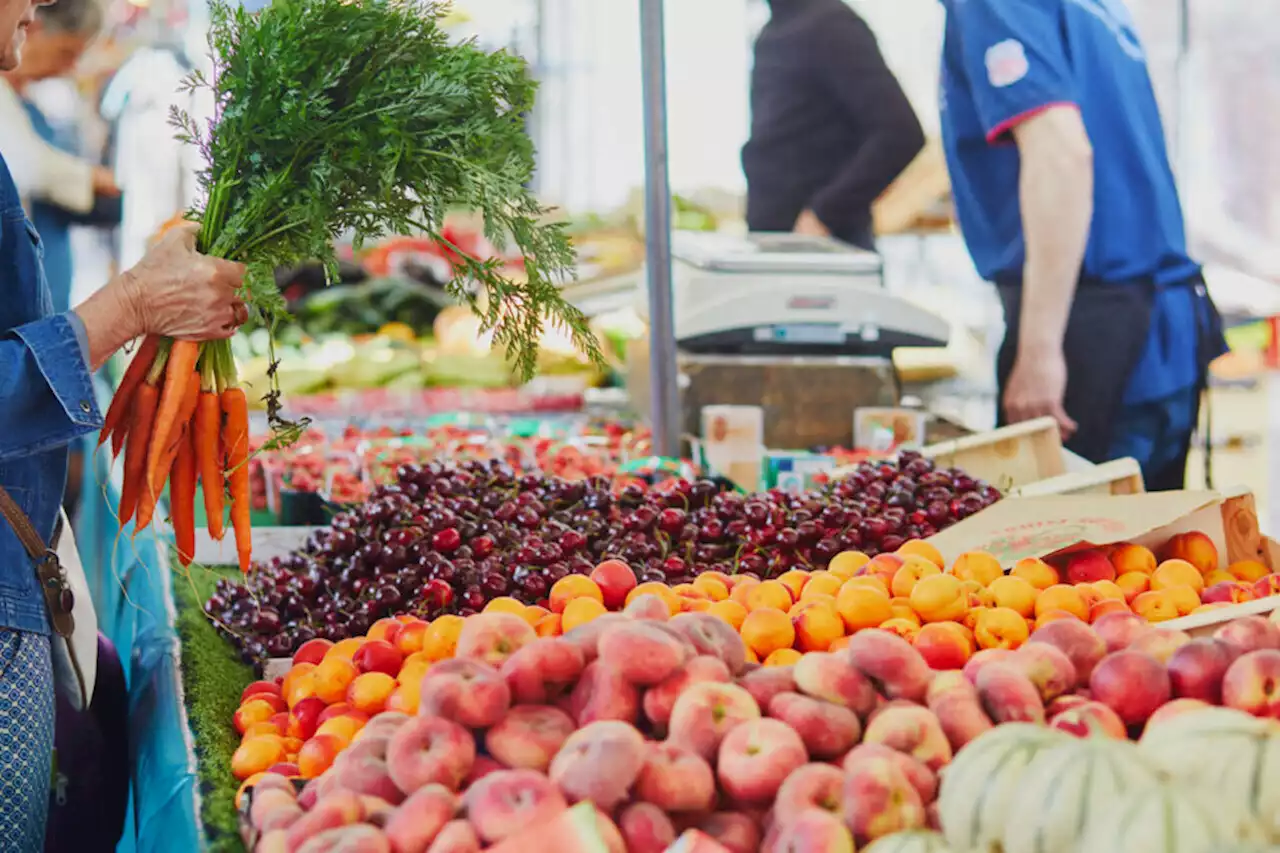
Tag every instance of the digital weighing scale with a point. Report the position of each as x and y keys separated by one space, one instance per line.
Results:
x=787 y=294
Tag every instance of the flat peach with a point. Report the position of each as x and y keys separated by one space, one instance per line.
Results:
x=977 y=566
x=862 y=606
x=1015 y=593
x=921 y=548
x=1062 y=597
x=1037 y=572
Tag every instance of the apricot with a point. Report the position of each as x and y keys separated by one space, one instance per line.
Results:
x=441 y=639
x=344 y=727
x=505 y=604
x=659 y=589
x=977 y=566
x=730 y=611
x=766 y=630
x=1194 y=548
x=1156 y=606
x=939 y=598
x=1062 y=597
x=1133 y=558
x=871 y=581
x=711 y=587
x=901 y=608
x=1048 y=616
x=772 y=594
x=794 y=580
x=579 y=611
x=1177 y=573
x=740 y=589
x=862 y=606
x=1133 y=584
x=903 y=628
x=1037 y=572
x=821 y=583
x=1108 y=589
x=1107 y=605
x=318 y=754
x=1015 y=593
x=942 y=646
x=1185 y=599
x=570 y=587
x=782 y=657
x=844 y=564
x=921 y=548
x=1249 y=571
x=1001 y=628
x=817 y=627
x=911 y=572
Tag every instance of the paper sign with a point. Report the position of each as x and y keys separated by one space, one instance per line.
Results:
x=1047 y=526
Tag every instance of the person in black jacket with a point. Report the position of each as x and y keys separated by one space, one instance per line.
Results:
x=830 y=126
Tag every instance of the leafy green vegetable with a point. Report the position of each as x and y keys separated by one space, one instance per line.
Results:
x=361 y=117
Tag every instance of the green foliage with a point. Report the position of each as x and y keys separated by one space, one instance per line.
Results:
x=362 y=118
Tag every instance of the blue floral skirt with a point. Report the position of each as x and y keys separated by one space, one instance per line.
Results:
x=26 y=739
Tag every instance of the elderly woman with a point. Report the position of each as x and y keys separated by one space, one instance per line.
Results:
x=47 y=401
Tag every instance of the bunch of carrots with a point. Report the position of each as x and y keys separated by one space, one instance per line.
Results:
x=180 y=416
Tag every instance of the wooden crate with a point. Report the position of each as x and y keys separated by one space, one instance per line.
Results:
x=1118 y=477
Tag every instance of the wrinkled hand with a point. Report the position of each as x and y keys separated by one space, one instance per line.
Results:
x=810 y=225
x=1036 y=388
x=177 y=292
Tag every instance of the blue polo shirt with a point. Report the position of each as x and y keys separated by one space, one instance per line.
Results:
x=1003 y=62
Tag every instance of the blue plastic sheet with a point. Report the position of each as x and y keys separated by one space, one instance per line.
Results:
x=131 y=583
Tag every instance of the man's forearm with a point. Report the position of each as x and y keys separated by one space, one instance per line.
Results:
x=109 y=321
x=1056 y=195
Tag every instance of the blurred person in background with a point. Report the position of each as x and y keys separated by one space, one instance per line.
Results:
x=830 y=126
x=1066 y=198
x=59 y=188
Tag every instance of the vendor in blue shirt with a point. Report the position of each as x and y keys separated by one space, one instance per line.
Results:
x=1067 y=202
x=46 y=402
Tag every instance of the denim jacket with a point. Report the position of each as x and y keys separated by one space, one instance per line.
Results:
x=46 y=401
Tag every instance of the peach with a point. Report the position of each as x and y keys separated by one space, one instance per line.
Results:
x=337 y=810
x=705 y=712
x=318 y=754
x=615 y=580
x=603 y=694
x=1087 y=567
x=493 y=637
x=378 y=656
x=828 y=730
x=833 y=678
x=441 y=640
x=256 y=754
x=1230 y=592
x=1008 y=695
x=641 y=653
x=891 y=663
x=1248 y=571
x=265 y=688
x=503 y=803
x=253 y=712
x=430 y=750
x=1118 y=630
x=1000 y=628
x=712 y=636
x=1161 y=643
x=1088 y=719
x=755 y=757
x=345 y=648
x=529 y=736
x=813 y=829
x=941 y=647
x=456 y=836
x=734 y=831
x=880 y=800
x=676 y=780
x=1080 y=643
x=913 y=730
x=661 y=698
x=1133 y=684
x=312 y=652
x=299 y=683
x=1177 y=573
x=543 y=670
x=600 y=762
x=646 y=828
x=369 y=692
x=1175 y=708
x=1016 y=593
x=418 y=821
x=1194 y=548
x=977 y=566
x=1036 y=572
x=980 y=659
x=1252 y=683
x=1196 y=670
x=1249 y=634
x=332 y=678
x=766 y=682
x=465 y=690
x=411 y=638
x=1133 y=558
x=954 y=701
x=812 y=786
x=1049 y=669
x=909 y=574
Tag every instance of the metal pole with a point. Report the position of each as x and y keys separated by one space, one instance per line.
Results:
x=1182 y=89
x=664 y=392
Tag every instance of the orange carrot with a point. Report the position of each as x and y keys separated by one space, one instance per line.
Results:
x=235 y=438
x=115 y=421
x=208 y=438
x=181 y=366
x=186 y=408
x=182 y=495
x=142 y=412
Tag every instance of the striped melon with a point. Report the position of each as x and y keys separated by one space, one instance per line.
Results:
x=1227 y=752
x=1162 y=819
x=980 y=782
x=1066 y=786
x=911 y=841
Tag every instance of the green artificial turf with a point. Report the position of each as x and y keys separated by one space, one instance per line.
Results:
x=213 y=677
